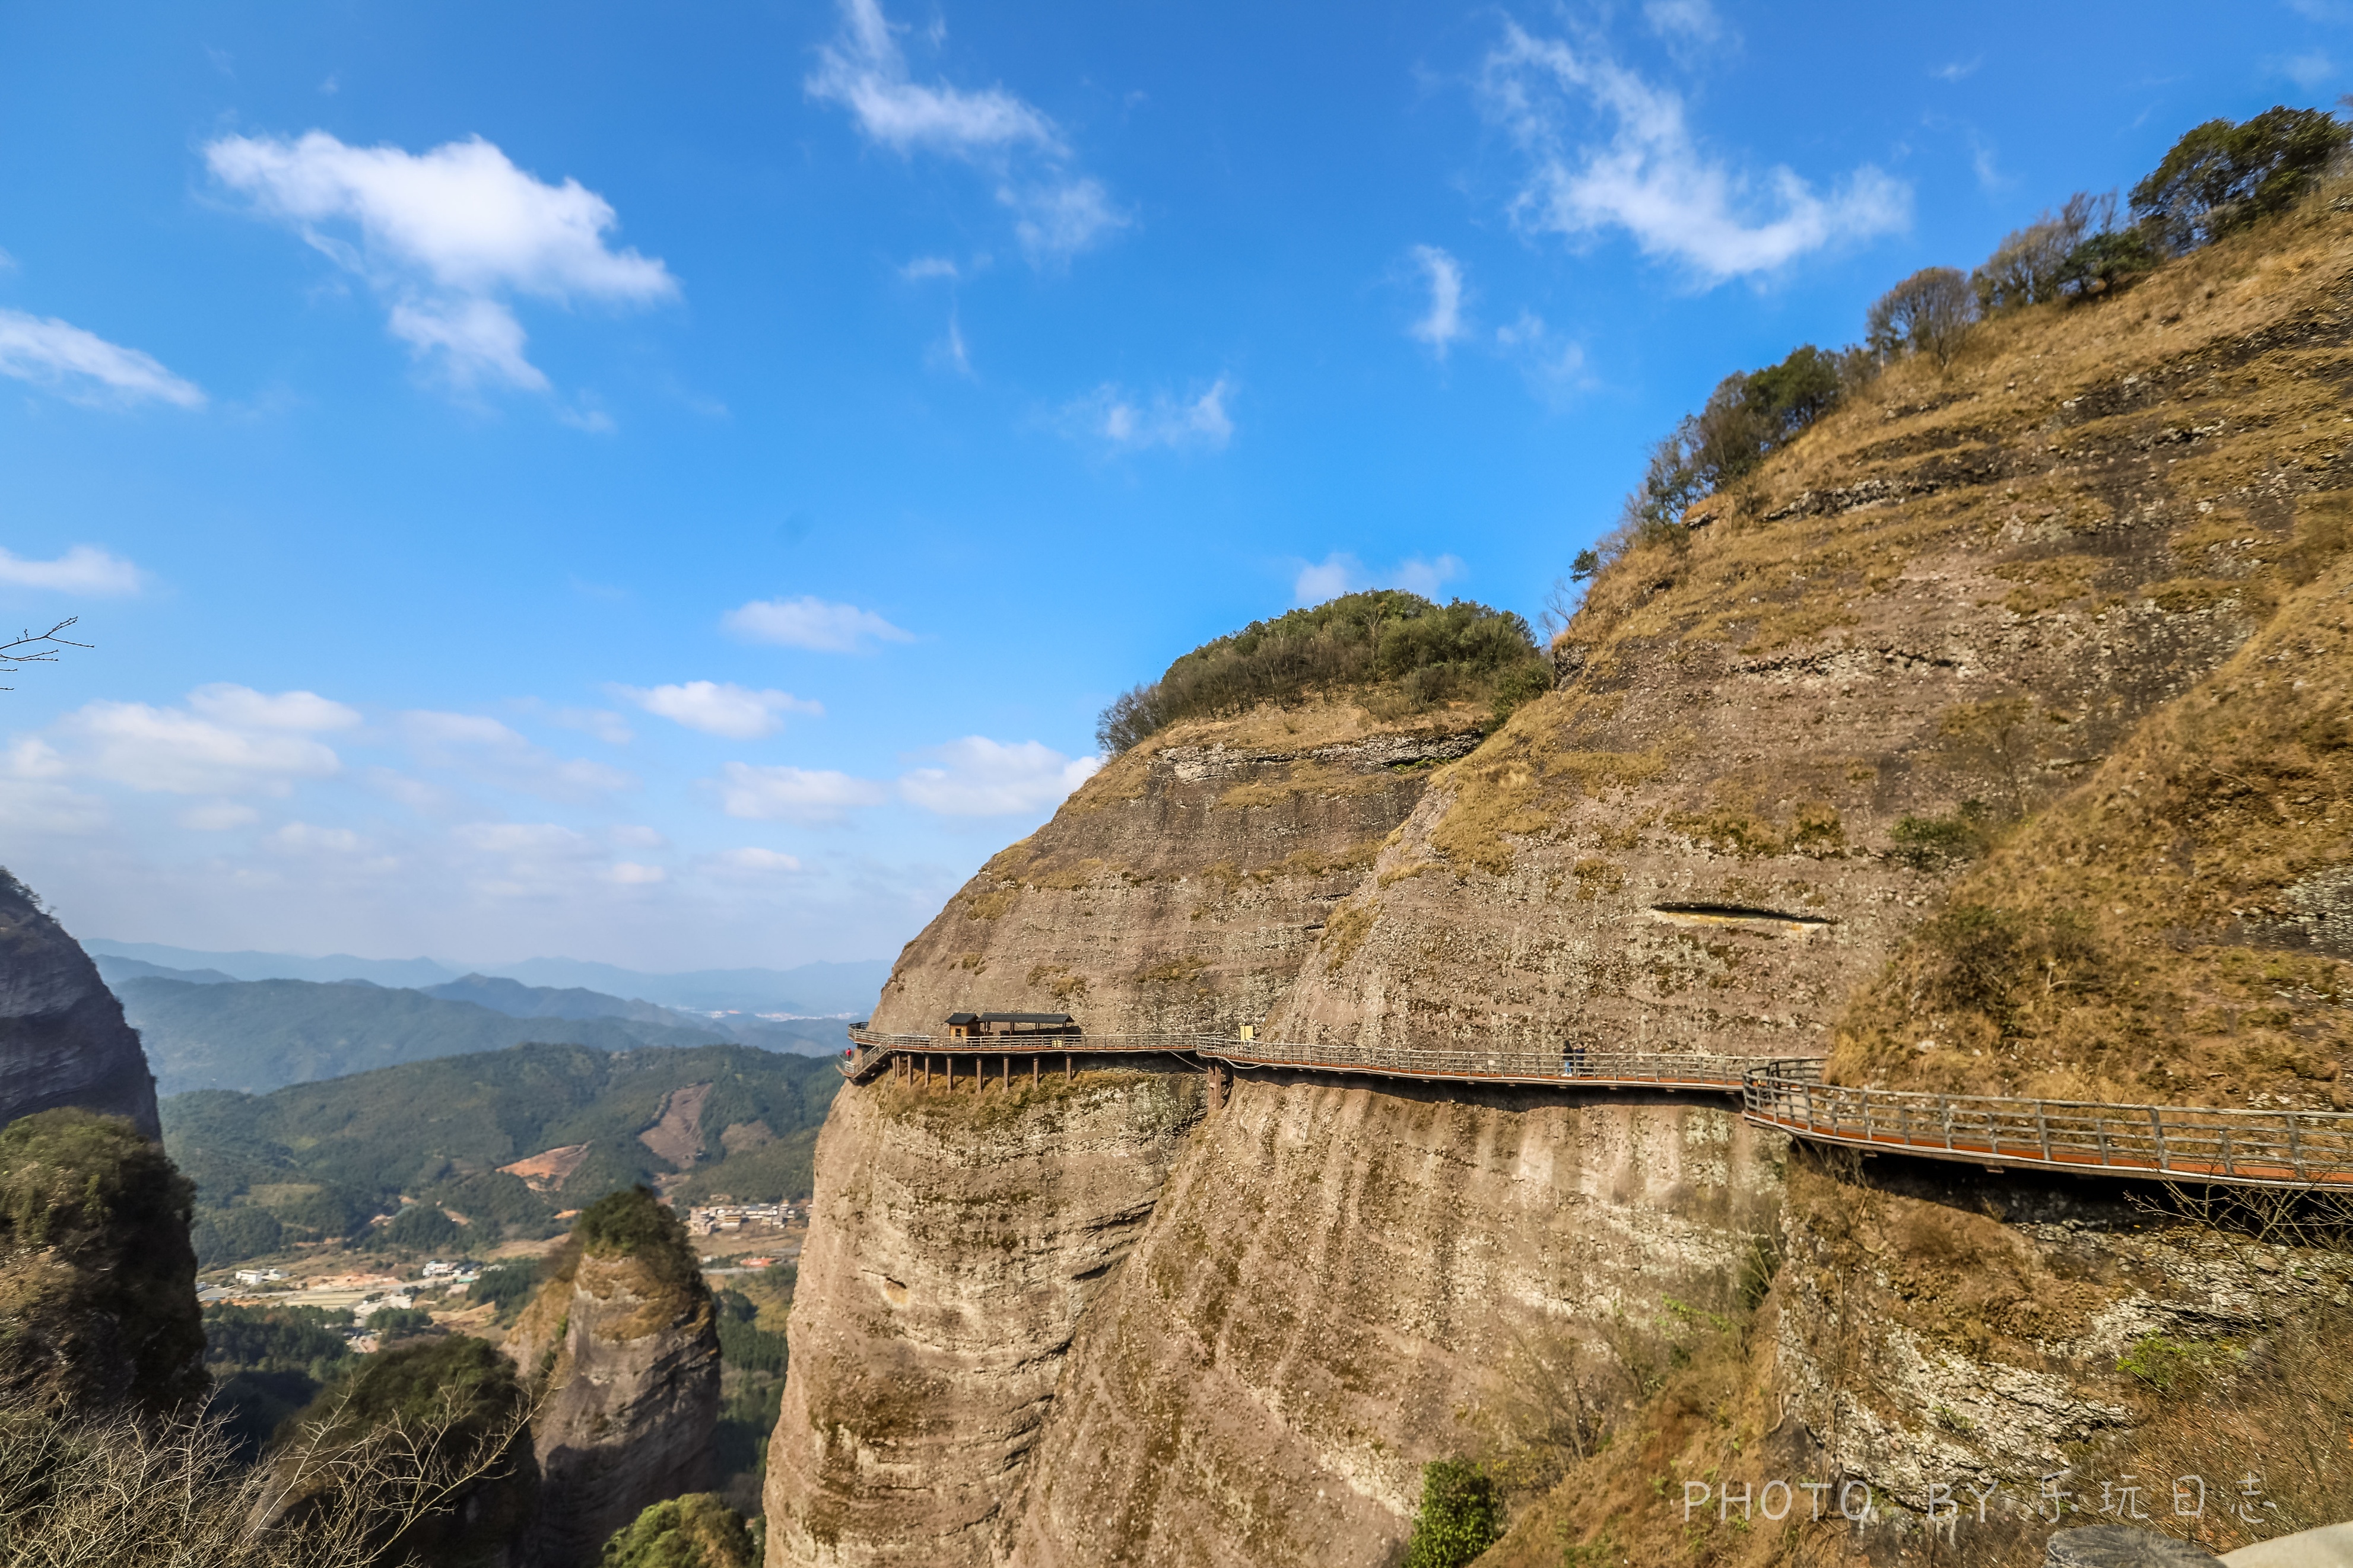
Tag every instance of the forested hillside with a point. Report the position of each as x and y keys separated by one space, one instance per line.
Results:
x=420 y=1145
x=258 y=1035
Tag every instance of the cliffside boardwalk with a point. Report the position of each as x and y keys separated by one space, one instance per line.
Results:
x=2292 y=1148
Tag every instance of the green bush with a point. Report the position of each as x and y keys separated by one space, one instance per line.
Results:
x=635 y=1223
x=1431 y=653
x=2222 y=176
x=96 y=1269
x=1460 y=1515
x=457 y=1397
x=1934 y=843
x=697 y=1531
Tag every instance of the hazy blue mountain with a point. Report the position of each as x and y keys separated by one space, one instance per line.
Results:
x=283 y=965
x=517 y=1000
x=114 y=970
x=259 y=1035
x=815 y=989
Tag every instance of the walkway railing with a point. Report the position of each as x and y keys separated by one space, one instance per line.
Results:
x=2244 y=1148
x=2240 y=1148
x=1607 y=1070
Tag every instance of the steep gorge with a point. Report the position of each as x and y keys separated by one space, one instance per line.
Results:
x=1931 y=630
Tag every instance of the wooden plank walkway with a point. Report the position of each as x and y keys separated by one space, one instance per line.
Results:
x=2293 y=1149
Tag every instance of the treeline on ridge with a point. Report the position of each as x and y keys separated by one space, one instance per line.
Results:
x=2217 y=178
x=1418 y=653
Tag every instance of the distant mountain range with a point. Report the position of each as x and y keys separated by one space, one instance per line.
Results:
x=205 y=1029
x=818 y=990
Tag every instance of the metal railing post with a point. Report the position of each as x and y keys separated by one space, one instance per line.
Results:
x=2157 y=1130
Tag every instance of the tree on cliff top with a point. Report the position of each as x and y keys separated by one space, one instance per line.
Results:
x=2222 y=176
x=697 y=1531
x=98 y=1299
x=1428 y=653
x=633 y=1222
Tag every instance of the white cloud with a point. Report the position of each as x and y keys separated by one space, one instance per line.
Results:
x=981 y=777
x=85 y=367
x=1954 y=70
x=1110 y=415
x=810 y=623
x=864 y=71
x=754 y=861
x=794 y=794
x=1649 y=177
x=1443 y=324
x=720 y=709
x=630 y=874
x=34 y=799
x=2311 y=71
x=602 y=722
x=487 y=750
x=1060 y=218
x=925 y=267
x=1553 y=368
x=1686 y=21
x=247 y=708
x=217 y=817
x=1057 y=213
x=535 y=839
x=303 y=838
x=446 y=236
x=84 y=569
x=1341 y=573
x=176 y=752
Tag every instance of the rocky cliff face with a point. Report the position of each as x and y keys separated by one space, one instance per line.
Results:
x=956 y=1240
x=1341 y=1282
x=1181 y=888
x=626 y=1340
x=62 y=1037
x=1927 y=639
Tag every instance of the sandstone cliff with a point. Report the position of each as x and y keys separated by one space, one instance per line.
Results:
x=1182 y=886
x=62 y=1037
x=955 y=1241
x=2055 y=633
x=624 y=1339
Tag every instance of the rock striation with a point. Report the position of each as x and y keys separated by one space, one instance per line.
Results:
x=62 y=1037
x=955 y=1241
x=623 y=1342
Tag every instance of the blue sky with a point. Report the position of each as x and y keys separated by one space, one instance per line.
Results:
x=674 y=485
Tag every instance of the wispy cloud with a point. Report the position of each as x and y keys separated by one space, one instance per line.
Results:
x=810 y=623
x=485 y=750
x=84 y=569
x=2311 y=71
x=1442 y=323
x=1057 y=211
x=1649 y=177
x=976 y=776
x=448 y=238
x=1683 y=21
x=1112 y=415
x=1955 y=70
x=84 y=367
x=1341 y=573
x=716 y=708
x=782 y=794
